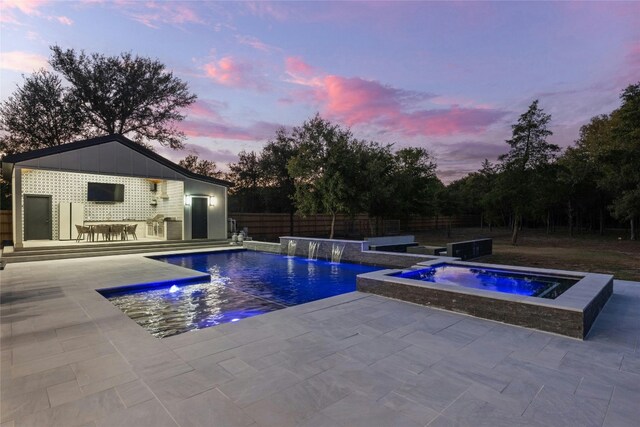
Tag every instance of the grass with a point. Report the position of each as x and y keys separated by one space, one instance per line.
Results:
x=611 y=253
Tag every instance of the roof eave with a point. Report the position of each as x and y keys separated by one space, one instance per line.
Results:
x=30 y=155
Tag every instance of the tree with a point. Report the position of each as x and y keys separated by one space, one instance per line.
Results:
x=129 y=95
x=39 y=114
x=415 y=182
x=273 y=165
x=201 y=166
x=621 y=159
x=376 y=167
x=579 y=175
x=529 y=152
x=323 y=170
x=491 y=208
x=247 y=179
x=448 y=203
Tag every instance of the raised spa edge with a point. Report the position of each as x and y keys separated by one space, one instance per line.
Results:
x=571 y=314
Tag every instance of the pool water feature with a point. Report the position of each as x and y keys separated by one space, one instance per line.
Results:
x=336 y=252
x=239 y=284
x=313 y=250
x=291 y=248
x=492 y=279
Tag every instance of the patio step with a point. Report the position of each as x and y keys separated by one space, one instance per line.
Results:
x=83 y=246
x=95 y=250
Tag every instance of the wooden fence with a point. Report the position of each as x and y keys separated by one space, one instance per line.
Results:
x=270 y=226
x=5 y=226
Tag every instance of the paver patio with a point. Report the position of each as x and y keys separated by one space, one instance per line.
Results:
x=70 y=358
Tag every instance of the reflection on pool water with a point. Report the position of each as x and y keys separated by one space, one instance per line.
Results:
x=506 y=281
x=243 y=284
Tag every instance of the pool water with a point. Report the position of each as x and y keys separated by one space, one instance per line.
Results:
x=506 y=281
x=242 y=284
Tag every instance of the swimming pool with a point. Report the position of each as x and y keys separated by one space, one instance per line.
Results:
x=492 y=279
x=241 y=284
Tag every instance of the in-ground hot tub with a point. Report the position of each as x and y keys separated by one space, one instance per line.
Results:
x=563 y=302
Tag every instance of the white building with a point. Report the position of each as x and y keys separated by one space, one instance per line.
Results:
x=111 y=180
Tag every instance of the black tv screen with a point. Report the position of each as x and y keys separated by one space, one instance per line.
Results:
x=100 y=192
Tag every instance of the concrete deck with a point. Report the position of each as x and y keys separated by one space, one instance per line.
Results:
x=70 y=358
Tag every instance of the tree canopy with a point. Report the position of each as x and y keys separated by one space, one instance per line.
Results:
x=322 y=169
x=529 y=154
x=201 y=166
x=39 y=114
x=94 y=94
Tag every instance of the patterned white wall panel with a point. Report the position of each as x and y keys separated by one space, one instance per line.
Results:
x=72 y=187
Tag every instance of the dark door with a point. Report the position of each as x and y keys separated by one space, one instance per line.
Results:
x=199 y=218
x=37 y=217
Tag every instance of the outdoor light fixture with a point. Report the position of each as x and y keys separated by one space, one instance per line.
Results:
x=212 y=200
x=187 y=200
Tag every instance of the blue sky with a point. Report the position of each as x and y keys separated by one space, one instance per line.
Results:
x=451 y=77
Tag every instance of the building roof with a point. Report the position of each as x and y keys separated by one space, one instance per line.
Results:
x=29 y=155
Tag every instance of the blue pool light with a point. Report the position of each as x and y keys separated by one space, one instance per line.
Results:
x=173 y=289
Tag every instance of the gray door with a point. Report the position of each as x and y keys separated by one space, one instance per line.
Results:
x=199 y=218
x=37 y=217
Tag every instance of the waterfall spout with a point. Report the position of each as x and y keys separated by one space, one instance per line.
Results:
x=291 y=248
x=313 y=250
x=336 y=253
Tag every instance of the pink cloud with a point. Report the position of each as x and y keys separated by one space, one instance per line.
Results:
x=28 y=7
x=265 y=9
x=359 y=101
x=206 y=109
x=209 y=129
x=8 y=9
x=255 y=43
x=232 y=72
x=64 y=20
x=301 y=73
x=22 y=61
x=205 y=120
x=295 y=66
x=155 y=13
x=356 y=101
x=442 y=122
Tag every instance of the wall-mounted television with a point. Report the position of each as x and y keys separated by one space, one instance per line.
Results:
x=101 y=192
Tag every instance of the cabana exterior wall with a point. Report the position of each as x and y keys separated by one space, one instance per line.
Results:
x=114 y=159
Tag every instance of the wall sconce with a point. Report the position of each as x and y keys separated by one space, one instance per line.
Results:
x=213 y=201
x=187 y=200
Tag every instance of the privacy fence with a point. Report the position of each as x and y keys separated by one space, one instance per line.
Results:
x=270 y=226
x=5 y=226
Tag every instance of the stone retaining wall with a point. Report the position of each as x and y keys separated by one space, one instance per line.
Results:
x=255 y=245
x=355 y=251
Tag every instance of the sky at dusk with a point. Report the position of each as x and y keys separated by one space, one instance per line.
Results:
x=450 y=77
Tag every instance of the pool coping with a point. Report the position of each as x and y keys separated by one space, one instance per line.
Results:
x=571 y=314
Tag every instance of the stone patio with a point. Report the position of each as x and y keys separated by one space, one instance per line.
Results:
x=70 y=358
